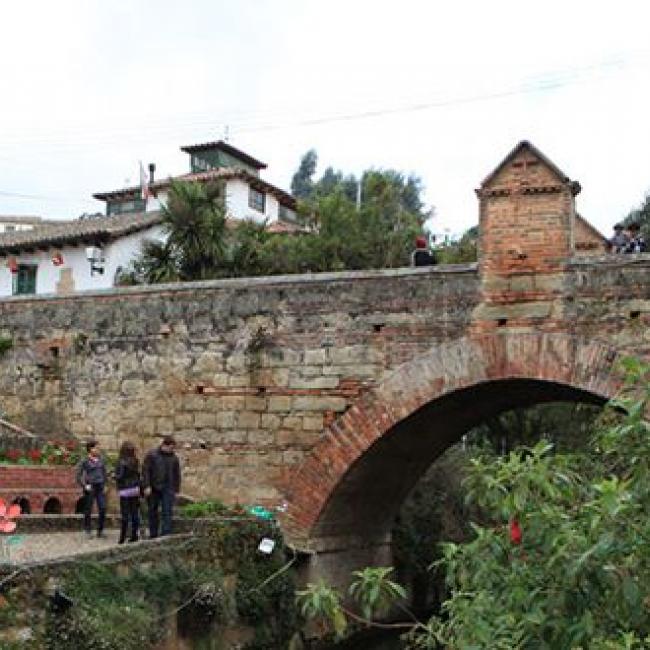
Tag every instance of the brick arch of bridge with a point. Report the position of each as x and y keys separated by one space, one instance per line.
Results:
x=367 y=461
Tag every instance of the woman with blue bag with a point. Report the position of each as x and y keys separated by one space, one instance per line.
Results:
x=127 y=475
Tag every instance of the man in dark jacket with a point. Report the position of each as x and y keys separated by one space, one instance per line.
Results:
x=91 y=477
x=422 y=256
x=161 y=479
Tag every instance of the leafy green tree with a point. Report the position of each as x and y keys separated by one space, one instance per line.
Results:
x=194 y=219
x=302 y=183
x=246 y=249
x=461 y=251
x=374 y=591
x=564 y=561
x=567 y=425
x=195 y=247
x=641 y=215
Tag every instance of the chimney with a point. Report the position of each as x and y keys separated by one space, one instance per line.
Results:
x=152 y=169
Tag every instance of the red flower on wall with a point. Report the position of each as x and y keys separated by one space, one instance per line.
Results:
x=515 y=532
x=7 y=515
x=35 y=455
x=12 y=265
x=13 y=454
x=57 y=259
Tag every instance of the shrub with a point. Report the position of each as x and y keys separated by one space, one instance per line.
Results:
x=13 y=455
x=35 y=455
x=210 y=508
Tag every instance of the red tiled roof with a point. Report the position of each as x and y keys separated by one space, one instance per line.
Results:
x=283 y=197
x=286 y=227
x=93 y=230
x=226 y=148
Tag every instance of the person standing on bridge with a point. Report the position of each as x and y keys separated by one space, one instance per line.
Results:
x=619 y=241
x=127 y=476
x=161 y=479
x=91 y=477
x=636 y=242
x=422 y=256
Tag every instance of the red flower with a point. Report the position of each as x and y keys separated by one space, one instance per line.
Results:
x=71 y=445
x=6 y=516
x=13 y=455
x=515 y=532
x=35 y=455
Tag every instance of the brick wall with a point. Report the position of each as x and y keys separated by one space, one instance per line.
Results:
x=526 y=217
x=39 y=484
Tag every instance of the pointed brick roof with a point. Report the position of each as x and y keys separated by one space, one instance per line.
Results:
x=525 y=145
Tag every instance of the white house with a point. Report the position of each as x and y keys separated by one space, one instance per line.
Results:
x=67 y=256
x=247 y=195
x=64 y=256
x=14 y=223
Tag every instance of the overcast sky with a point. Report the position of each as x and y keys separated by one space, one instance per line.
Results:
x=440 y=89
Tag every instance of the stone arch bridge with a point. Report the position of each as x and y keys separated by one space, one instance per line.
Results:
x=328 y=395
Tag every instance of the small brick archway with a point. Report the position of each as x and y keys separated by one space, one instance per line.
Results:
x=355 y=479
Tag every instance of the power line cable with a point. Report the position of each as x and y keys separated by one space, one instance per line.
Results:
x=543 y=83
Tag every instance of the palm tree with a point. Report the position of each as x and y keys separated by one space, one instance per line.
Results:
x=194 y=220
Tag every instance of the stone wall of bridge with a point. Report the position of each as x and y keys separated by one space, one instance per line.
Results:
x=249 y=374
x=245 y=373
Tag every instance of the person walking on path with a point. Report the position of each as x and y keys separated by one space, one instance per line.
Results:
x=91 y=477
x=161 y=479
x=127 y=476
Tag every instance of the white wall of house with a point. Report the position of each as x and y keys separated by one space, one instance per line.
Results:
x=122 y=251
x=237 y=203
x=56 y=279
x=15 y=227
x=154 y=203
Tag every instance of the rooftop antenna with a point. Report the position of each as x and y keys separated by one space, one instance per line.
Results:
x=226 y=133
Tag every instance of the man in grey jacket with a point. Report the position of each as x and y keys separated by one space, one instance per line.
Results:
x=91 y=477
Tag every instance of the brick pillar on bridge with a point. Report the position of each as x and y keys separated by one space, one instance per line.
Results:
x=526 y=222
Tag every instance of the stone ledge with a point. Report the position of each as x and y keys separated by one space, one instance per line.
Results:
x=250 y=283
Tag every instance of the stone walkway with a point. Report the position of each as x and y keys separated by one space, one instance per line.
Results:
x=39 y=547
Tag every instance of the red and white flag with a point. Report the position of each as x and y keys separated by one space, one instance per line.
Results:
x=145 y=193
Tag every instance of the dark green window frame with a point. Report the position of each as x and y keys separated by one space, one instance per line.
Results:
x=256 y=200
x=24 y=280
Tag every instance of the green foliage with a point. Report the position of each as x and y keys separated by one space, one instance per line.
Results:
x=461 y=251
x=569 y=426
x=115 y=612
x=209 y=508
x=434 y=512
x=194 y=220
x=6 y=343
x=581 y=575
x=641 y=215
x=264 y=589
x=265 y=596
x=374 y=592
x=320 y=602
x=302 y=183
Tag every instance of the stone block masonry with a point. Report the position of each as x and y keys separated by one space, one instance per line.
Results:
x=245 y=373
